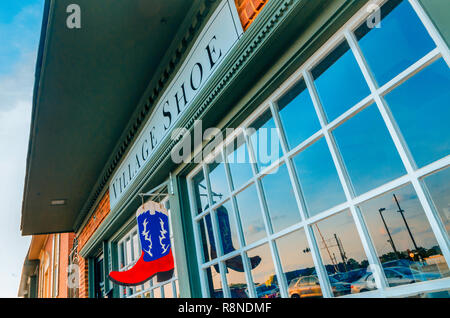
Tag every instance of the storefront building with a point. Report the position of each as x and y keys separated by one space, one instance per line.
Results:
x=300 y=147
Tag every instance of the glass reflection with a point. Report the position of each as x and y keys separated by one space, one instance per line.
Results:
x=436 y=294
x=318 y=178
x=339 y=81
x=200 y=193
x=439 y=188
x=298 y=266
x=423 y=101
x=239 y=162
x=265 y=140
x=264 y=278
x=214 y=282
x=297 y=114
x=218 y=179
x=403 y=238
x=251 y=215
x=280 y=199
x=206 y=235
x=368 y=150
x=227 y=228
x=398 y=43
x=168 y=291
x=342 y=252
x=236 y=280
x=157 y=292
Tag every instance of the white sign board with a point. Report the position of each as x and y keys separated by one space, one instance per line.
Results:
x=213 y=44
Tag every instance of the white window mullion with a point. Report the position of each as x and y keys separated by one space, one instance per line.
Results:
x=215 y=229
x=368 y=247
x=195 y=226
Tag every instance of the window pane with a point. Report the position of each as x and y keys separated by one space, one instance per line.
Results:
x=342 y=252
x=419 y=106
x=201 y=196
x=136 y=246
x=207 y=238
x=339 y=82
x=214 y=282
x=251 y=215
x=439 y=189
x=298 y=266
x=236 y=279
x=168 y=291
x=239 y=162
x=157 y=293
x=129 y=252
x=318 y=178
x=404 y=241
x=218 y=180
x=227 y=228
x=263 y=274
x=297 y=114
x=265 y=140
x=279 y=194
x=368 y=151
x=399 y=42
x=121 y=256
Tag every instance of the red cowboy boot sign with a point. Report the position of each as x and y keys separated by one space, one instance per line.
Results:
x=156 y=253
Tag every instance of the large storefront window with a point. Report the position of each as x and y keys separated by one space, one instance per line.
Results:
x=342 y=183
x=129 y=251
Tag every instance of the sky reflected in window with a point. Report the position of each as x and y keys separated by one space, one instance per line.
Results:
x=265 y=140
x=218 y=180
x=421 y=107
x=368 y=150
x=280 y=198
x=318 y=178
x=339 y=81
x=251 y=215
x=297 y=114
x=404 y=241
x=397 y=44
x=239 y=162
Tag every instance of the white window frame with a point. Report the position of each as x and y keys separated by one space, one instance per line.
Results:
x=413 y=176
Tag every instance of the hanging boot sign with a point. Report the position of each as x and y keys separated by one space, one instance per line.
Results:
x=156 y=255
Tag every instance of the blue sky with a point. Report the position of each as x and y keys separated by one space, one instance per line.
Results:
x=20 y=27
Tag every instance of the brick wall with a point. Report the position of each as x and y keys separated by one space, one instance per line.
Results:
x=84 y=277
x=248 y=10
x=101 y=211
x=96 y=219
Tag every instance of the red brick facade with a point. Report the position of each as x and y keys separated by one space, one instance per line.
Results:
x=89 y=229
x=84 y=278
x=248 y=10
x=96 y=219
